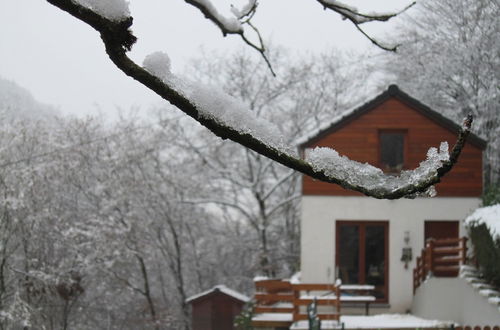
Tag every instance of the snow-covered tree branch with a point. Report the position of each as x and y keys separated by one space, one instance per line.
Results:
x=358 y=18
x=229 y=119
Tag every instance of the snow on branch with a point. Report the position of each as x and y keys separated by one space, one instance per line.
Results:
x=369 y=177
x=227 y=118
x=228 y=25
x=115 y=10
x=234 y=25
x=358 y=18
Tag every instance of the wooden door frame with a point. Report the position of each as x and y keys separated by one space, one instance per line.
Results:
x=457 y=222
x=362 y=246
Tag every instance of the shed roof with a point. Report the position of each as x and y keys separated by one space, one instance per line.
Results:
x=222 y=289
x=395 y=92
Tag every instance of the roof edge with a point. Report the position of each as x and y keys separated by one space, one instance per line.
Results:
x=219 y=288
x=392 y=91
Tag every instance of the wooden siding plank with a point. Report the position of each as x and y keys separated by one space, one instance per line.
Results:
x=359 y=141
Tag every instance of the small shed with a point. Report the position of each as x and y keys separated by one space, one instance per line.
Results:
x=216 y=309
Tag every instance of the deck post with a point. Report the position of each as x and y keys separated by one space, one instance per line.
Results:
x=431 y=257
x=463 y=242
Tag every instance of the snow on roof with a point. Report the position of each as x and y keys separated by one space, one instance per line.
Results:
x=259 y=278
x=222 y=288
x=489 y=215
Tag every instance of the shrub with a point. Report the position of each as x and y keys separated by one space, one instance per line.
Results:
x=244 y=320
x=487 y=250
x=491 y=195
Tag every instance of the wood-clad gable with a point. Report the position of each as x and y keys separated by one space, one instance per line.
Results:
x=357 y=137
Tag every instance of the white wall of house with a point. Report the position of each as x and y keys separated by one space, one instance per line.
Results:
x=456 y=300
x=319 y=214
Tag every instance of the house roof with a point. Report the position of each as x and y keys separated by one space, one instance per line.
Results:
x=216 y=289
x=392 y=91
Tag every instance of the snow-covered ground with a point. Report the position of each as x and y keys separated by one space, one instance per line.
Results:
x=382 y=321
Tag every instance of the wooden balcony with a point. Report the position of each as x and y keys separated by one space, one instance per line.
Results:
x=440 y=258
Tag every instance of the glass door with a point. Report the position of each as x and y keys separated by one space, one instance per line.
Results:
x=362 y=254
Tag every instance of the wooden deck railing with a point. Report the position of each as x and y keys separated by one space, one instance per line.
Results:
x=325 y=294
x=284 y=302
x=440 y=258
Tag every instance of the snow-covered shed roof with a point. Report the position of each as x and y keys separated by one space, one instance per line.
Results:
x=222 y=289
x=392 y=91
x=489 y=215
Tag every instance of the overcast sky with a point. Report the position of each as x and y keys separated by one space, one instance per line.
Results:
x=63 y=63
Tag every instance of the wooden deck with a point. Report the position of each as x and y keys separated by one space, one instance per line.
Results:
x=279 y=303
x=440 y=258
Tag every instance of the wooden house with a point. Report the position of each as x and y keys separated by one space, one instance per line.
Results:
x=362 y=240
x=369 y=242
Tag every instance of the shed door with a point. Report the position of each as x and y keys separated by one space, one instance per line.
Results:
x=440 y=229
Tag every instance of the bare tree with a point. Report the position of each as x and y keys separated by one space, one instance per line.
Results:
x=244 y=184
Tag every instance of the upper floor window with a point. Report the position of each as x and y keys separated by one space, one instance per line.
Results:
x=392 y=153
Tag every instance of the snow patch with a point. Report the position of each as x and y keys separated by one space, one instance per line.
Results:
x=286 y=317
x=365 y=175
x=213 y=103
x=488 y=293
x=229 y=23
x=158 y=64
x=494 y=300
x=394 y=321
x=489 y=215
x=115 y=10
x=295 y=279
x=221 y=288
x=260 y=278
x=245 y=10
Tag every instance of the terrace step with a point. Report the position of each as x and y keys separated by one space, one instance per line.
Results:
x=495 y=301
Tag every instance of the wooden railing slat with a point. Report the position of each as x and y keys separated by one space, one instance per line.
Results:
x=442 y=255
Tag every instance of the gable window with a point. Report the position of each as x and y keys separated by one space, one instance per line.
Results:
x=362 y=254
x=392 y=150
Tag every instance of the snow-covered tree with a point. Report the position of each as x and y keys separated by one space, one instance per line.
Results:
x=449 y=57
x=230 y=119
x=246 y=185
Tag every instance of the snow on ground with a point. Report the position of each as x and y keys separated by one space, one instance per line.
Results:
x=394 y=321
x=489 y=215
x=383 y=321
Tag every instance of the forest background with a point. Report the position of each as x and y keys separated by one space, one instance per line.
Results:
x=114 y=224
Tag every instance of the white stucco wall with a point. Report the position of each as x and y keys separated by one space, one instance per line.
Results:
x=456 y=300
x=319 y=214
